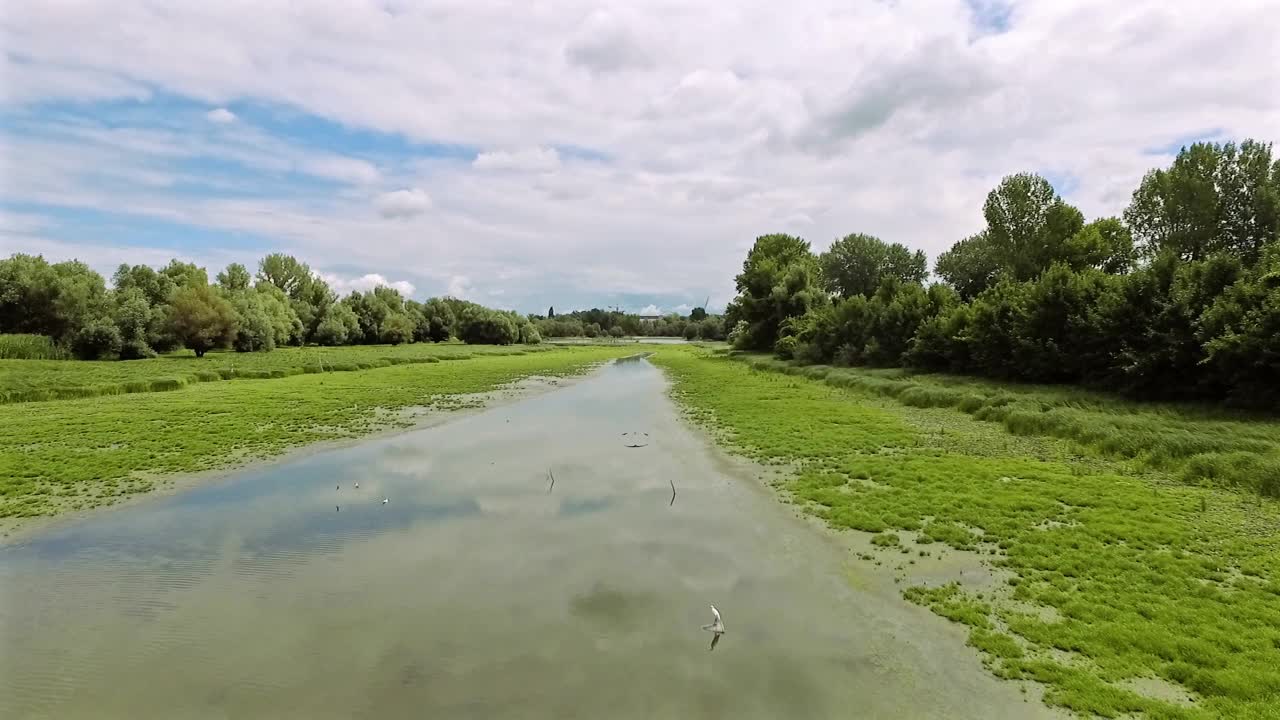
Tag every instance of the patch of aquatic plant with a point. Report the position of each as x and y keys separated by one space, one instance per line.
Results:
x=72 y=454
x=1115 y=576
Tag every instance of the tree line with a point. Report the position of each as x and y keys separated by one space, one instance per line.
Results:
x=597 y=323
x=149 y=311
x=1179 y=298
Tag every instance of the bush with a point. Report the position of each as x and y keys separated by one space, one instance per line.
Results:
x=96 y=340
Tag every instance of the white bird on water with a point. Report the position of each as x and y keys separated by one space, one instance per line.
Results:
x=385 y=501
x=357 y=486
x=716 y=627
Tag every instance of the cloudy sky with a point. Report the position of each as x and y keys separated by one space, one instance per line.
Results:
x=574 y=153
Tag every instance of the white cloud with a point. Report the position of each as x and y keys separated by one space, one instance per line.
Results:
x=344 y=285
x=529 y=160
x=222 y=116
x=713 y=123
x=403 y=203
x=650 y=309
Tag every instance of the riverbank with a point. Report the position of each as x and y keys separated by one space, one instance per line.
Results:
x=1120 y=590
x=71 y=456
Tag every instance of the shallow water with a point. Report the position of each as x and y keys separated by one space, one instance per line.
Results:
x=474 y=592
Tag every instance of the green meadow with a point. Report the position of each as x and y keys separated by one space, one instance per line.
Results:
x=34 y=380
x=1138 y=578
x=63 y=455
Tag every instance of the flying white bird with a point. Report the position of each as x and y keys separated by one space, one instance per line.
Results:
x=716 y=627
x=385 y=501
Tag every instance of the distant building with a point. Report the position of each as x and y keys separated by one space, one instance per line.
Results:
x=650 y=318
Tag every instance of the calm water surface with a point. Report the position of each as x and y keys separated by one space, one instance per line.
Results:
x=474 y=593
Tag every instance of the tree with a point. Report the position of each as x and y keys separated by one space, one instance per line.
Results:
x=132 y=317
x=235 y=278
x=438 y=321
x=397 y=329
x=185 y=274
x=969 y=266
x=779 y=279
x=855 y=265
x=286 y=273
x=201 y=319
x=698 y=314
x=1028 y=225
x=551 y=312
x=1213 y=198
x=479 y=325
x=1241 y=334
x=1104 y=244
x=338 y=326
x=156 y=287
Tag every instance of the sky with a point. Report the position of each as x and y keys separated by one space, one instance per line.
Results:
x=575 y=154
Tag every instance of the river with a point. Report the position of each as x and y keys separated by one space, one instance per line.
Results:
x=476 y=590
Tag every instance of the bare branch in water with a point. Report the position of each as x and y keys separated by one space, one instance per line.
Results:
x=673 y=492
x=553 y=480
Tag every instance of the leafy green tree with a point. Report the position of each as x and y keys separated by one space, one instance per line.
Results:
x=698 y=314
x=201 y=319
x=478 y=325
x=286 y=273
x=252 y=329
x=1240 y=332
x=438 y=321
x=1028 y=225
x=1213 y=198
x=156 y=286
x=857 y=263
x=1104 y=244
x=779 y=279
x=970 y=266
x=616 y=331
x=132 y=317
x=397 y=329
x=338 y=326
x=235 y=278
x=185 y=274
x=551 y=311
x=28 y=288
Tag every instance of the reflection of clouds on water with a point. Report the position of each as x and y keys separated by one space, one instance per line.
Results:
x=474 y=593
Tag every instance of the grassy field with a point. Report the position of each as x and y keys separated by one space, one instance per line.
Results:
x=72 y=454
x=35 y=380
x=1128 y=592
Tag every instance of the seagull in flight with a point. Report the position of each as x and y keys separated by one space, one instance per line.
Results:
x=716 y=627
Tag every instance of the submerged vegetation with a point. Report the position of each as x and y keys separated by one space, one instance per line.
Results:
x=73 y=454
x=1115 y=577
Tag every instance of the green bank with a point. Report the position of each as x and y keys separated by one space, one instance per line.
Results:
x=1124 y=589
x=65 y=455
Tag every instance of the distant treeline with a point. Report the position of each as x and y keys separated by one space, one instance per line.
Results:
x=1177 y=299
x=151 y=311
x=698 y=325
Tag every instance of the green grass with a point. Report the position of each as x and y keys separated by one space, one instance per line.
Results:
x=1117 y=572
x=30 y=347
x=71 y=454
x=36 y=380
x=1199 y=445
